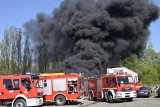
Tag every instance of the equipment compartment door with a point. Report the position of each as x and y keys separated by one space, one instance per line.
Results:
x=47 y=90
x=85 y=86
x=99 y=85
x=59 y=84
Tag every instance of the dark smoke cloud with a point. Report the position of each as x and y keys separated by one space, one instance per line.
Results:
x=90 y=58
x=95 y=34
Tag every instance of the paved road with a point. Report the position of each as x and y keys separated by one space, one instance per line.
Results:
x=137 y=102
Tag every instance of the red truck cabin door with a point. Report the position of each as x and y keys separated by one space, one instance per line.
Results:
x=27 y=87
x=8 y=90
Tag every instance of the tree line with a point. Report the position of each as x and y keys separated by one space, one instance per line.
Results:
x=147 y=65
x=16 y=56
x=12 y=58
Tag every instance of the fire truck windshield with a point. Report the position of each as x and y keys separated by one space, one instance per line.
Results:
x=125 y=80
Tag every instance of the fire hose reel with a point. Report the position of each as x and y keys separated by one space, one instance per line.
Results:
x=71 y=88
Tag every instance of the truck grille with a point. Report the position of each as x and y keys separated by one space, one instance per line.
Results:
x=126 y=89
x=127 y=94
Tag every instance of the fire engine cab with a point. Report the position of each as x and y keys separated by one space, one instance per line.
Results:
x=20 y=91
x=137 y=82
x=60 y=87
x=110 y=87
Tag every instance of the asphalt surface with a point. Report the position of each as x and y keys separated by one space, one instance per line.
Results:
x=137 y=102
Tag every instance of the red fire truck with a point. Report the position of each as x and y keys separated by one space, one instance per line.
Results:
x=137 y=82
x=60 y=87
x=110 y=87
x=20 y=91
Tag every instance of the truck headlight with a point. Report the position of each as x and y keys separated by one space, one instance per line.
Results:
x=135 y=93
x=119 y=94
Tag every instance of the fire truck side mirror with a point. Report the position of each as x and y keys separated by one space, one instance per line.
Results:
x=44 y=80
x=45 y=84
x=119 y=84
x=28 y=86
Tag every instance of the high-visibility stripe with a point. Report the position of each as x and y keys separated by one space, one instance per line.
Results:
x=109 y=88
x=52 y=74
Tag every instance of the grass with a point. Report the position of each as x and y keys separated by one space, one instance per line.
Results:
x=154 y=93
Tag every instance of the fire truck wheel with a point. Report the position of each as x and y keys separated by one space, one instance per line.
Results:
x=60 y=100
x=110 y=98
x=91 y=97
x=20 y=103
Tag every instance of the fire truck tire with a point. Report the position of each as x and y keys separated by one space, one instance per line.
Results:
x=68 y=102
x=110 y=98
x=91 y=97
x=20 y=103
x=104 y=97
x=60 y=100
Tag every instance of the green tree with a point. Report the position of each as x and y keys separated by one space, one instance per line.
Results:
x=147 y=66
x=9 y=51
x=149 y=76
x=43 y=58
x=133 y=62
x=58 y=57
x=19 y=48
x=5 y=53
x=27 y=58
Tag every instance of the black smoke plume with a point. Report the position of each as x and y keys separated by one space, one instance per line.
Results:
x=94 y=34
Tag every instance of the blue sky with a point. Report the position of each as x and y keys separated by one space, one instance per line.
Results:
x=155 y=30
x=17 y=12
